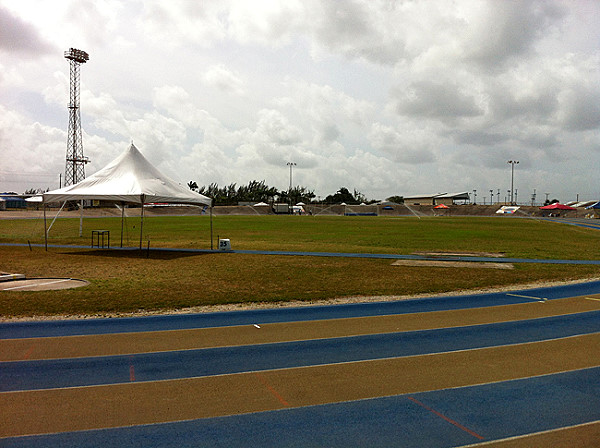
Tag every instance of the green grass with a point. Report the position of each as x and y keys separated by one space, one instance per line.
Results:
x=514 y=237
x=127 y=282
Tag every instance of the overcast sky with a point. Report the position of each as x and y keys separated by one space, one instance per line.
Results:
x=385 y=97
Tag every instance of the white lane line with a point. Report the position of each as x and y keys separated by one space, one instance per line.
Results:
x=38 y=284
x=532 y=434
x=538 y=299
x=591 y=298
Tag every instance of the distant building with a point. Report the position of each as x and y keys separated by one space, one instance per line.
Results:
x=437 y=199
x=11 y=200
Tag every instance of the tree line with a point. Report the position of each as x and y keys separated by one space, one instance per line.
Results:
x=259 y=191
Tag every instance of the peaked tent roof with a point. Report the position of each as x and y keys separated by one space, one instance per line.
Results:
x=128 y=178
x=556 y=206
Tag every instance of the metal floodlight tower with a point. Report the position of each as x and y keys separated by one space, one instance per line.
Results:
x=75 y=164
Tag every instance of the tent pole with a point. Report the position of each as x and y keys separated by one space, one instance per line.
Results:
x=45 y=229
x=122 y=217
x=57 y=213
x=81 y=219
x=141 y=221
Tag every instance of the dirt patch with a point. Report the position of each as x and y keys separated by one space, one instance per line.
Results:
x=460 y=254
x=453 y=264
x=41 y=284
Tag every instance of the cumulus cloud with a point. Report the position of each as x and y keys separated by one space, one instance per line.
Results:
x=36 y=153
x=413 y=146
x=220 y=77
x=170 y=24
x=499 y=31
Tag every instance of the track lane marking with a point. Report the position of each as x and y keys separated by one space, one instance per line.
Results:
x=271 y=389
x=449 y=420
x=62 y=347
x=131 y=370
x=537 y=299
x=110 y=406
x=535 y=438
x=29 y=352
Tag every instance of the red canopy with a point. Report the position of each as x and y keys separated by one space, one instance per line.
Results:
x=556 y=206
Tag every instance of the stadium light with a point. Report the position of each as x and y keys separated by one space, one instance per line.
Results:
x=512 y=179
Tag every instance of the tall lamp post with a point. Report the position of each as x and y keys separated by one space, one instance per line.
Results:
x=291 y=165
x=492 y=197
x=512 y=179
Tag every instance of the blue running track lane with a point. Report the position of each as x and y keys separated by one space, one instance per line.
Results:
x=15 y=330
x=443 y=419
x=57 y=373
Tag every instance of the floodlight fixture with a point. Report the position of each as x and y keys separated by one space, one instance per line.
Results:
x=77 y=55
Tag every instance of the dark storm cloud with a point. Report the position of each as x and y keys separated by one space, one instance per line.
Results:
x=17 y=36
x=511 y=28
x=581 y=109
x=438 y=101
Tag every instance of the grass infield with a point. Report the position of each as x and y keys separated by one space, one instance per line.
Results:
x=126 y=282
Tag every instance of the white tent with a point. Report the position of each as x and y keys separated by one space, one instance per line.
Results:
x=130 y=178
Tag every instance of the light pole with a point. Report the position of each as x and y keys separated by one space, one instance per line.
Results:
x=491 y=197
x=291 y=165
x=474 y=197
x=512 y=179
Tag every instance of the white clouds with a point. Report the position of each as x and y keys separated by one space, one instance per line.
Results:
x=36 y=153
x=219 y=77
x=412 y=146
x=265 y=22
x=229 y=90
x=168 y=24
x=327 y=113
x=276 y=129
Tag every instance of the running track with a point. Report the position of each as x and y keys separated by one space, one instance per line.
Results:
x=565 y=396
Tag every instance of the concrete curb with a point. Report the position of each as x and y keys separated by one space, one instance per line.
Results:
x=9 y=277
